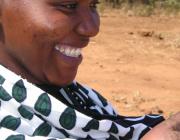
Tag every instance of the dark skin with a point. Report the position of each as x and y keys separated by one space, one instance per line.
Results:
x=28 y=40
x=29 y=32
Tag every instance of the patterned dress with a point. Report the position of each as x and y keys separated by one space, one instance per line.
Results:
x=78 y=113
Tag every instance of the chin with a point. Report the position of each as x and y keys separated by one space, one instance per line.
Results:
x=63 y=81
x=60 y=78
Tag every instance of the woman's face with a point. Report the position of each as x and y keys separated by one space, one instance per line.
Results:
x=44 y=38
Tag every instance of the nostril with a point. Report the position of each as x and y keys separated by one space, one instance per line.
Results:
x=88 y=30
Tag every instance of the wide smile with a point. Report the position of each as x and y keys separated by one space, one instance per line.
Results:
x=69 y=51
x=68 y=54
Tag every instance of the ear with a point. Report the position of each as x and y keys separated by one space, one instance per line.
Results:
x=1 y=23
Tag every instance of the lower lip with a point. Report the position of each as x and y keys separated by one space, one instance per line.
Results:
x=71 y=61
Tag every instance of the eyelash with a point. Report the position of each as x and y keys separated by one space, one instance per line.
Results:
x=70 y=6
x=73 y=6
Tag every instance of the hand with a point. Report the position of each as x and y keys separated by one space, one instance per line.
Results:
x=167 y=130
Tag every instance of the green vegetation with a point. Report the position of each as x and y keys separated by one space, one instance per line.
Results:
x=143 y=7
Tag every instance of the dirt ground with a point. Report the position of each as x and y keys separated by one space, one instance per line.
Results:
x=135 y=63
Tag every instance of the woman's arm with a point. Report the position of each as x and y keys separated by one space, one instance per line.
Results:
x=167 y=130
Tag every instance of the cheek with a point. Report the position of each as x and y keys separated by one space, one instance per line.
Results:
x=35 y=32
x=51 y=31
x=59 y=26
x=38 y=23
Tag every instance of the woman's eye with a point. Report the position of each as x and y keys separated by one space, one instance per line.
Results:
x=70 y=6
x=66 y=7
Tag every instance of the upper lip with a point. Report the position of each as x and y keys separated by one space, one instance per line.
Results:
x=85 y=41
x=81 y=44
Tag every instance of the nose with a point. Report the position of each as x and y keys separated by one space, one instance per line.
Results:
x=89 y=23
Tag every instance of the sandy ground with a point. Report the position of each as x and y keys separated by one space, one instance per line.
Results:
x=135 y=63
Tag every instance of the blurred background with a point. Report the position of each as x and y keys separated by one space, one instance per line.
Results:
x=143 y=7
x=135 y=59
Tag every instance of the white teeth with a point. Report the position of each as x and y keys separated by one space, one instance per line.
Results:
x=62 y=50
x=57 y=48
x=68 y=51
x=77 y=52
x=72 y=53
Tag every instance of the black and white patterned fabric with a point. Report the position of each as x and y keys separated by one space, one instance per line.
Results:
x=80 y=113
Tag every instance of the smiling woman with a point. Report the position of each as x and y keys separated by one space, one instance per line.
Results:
x=40 y=51
x=47 y=34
